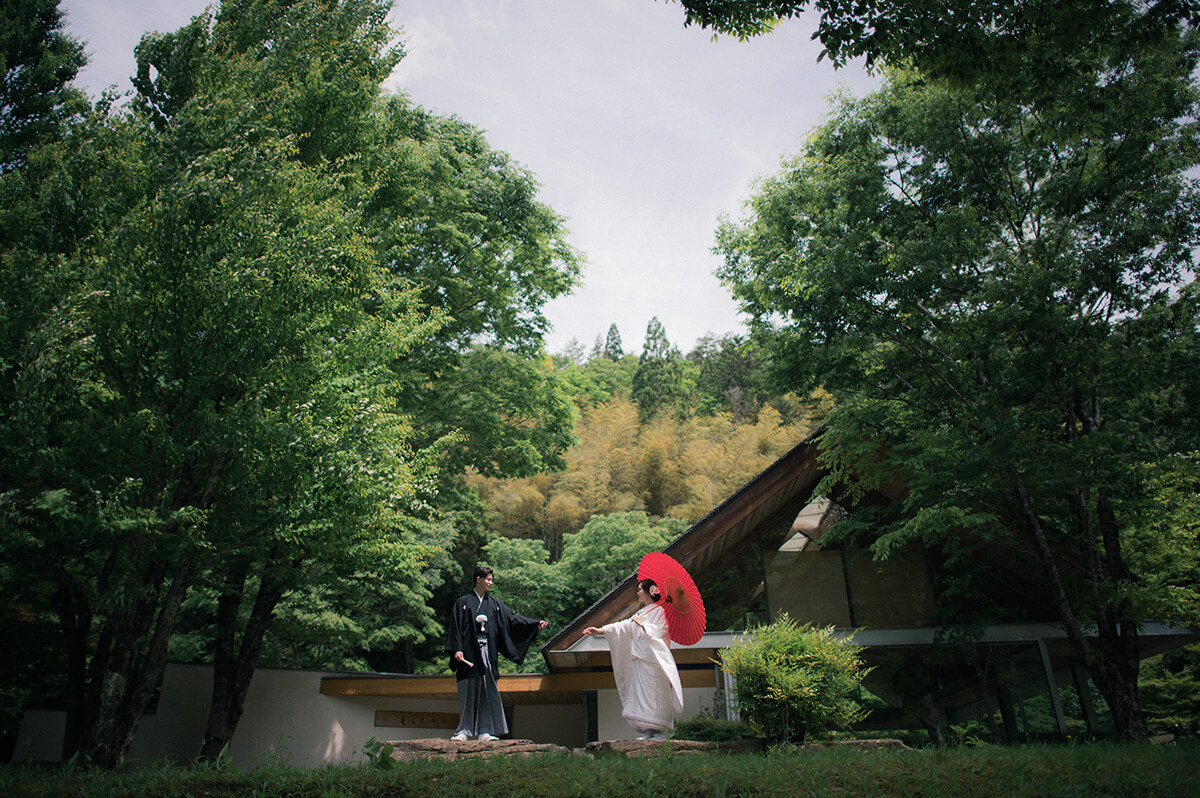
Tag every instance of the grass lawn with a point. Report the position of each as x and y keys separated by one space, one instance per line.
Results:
x=1098 y=769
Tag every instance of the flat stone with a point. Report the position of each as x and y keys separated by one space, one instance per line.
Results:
x=639 y=748
x=883 y=743
x=441 y=748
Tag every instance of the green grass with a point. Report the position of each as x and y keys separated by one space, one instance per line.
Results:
x=1081 y=770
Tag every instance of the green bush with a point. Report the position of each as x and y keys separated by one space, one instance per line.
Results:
x=708 y=728
x=793 y=681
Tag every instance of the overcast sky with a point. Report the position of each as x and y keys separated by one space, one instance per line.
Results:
x=640 y=132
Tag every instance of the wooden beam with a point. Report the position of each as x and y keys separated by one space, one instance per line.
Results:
x=416 y=720
x=388 y=685
x=523 y=687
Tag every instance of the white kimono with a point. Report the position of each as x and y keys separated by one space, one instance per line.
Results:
x=647 y=679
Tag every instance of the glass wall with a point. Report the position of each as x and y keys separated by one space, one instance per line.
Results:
x=997 y=691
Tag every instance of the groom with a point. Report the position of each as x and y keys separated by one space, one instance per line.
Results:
x=480 y=629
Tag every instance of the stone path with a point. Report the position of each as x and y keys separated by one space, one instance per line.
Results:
x=440 y=748
x=640 y=748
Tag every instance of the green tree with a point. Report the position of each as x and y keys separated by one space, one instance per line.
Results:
x=999 y=295
x=968 y=40
x=460 y=223
x=594 y=561
x=1170 y=689
x=318 y=72
x=658 y=381
x=511 y=415
x=220 y=337
x=573 y=353
x=607 y=550
x=527 y=581
x=610 y=378
x=469 y=258
x=37 y=64
x=1162 y=539
x=726 y=379
x=613 y=350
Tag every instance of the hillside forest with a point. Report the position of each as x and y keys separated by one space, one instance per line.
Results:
x=642 y=468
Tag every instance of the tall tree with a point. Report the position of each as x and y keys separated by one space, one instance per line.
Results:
x=428 y=235
x=460 y=222
x=999 y=293
x=573 y=352
x=321 y=69
x=221 y=339
x=613 y=350
x=726 y=379
x=38 y=61
x=658 y=381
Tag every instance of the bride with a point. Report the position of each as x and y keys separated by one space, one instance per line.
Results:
x=647 y=679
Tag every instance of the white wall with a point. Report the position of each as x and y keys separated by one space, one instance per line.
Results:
x=41 y=736
x=612 y=726
x=287 y=721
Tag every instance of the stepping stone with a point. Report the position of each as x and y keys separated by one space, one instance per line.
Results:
x=440 y=748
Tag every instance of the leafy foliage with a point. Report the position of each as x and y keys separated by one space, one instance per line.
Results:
x=1163 y=541
x=793 y=681
x=594 y=561
x=37 y=64
x=1170 y=690
x=964 y=40
x=727 y=376
x=613 y=350
x=214 y=401
x=998 y=295
x=658 y=383
x=708 y=727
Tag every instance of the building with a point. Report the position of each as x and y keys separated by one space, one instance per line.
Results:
x=758 y=554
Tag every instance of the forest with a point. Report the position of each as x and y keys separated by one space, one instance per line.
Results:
x=233 y=305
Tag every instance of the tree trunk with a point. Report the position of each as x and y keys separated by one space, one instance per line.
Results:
x=75 y=620
x=135 y=666
x=1112 y=662
x=232 y=675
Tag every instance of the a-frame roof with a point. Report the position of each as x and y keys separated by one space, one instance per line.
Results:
x=774 y=497
x=773 y=500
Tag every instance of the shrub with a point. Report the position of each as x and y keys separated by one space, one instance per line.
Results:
x=708 y=728
x=795 y=680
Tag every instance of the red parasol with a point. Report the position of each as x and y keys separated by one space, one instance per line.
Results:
x=682 y=604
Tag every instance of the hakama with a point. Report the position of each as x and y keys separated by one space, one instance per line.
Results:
x=483 y=628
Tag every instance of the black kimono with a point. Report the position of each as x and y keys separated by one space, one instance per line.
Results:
x=483 y=630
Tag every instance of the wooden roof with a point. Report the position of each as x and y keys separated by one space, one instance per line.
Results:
x=774 y=497
x=516 y=688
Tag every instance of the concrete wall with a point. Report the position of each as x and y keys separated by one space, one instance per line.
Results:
x=40 y=738
x=287 y=721
x=612 y=726
x=560 y=724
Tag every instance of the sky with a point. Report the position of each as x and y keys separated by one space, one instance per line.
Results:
x=642 y=133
